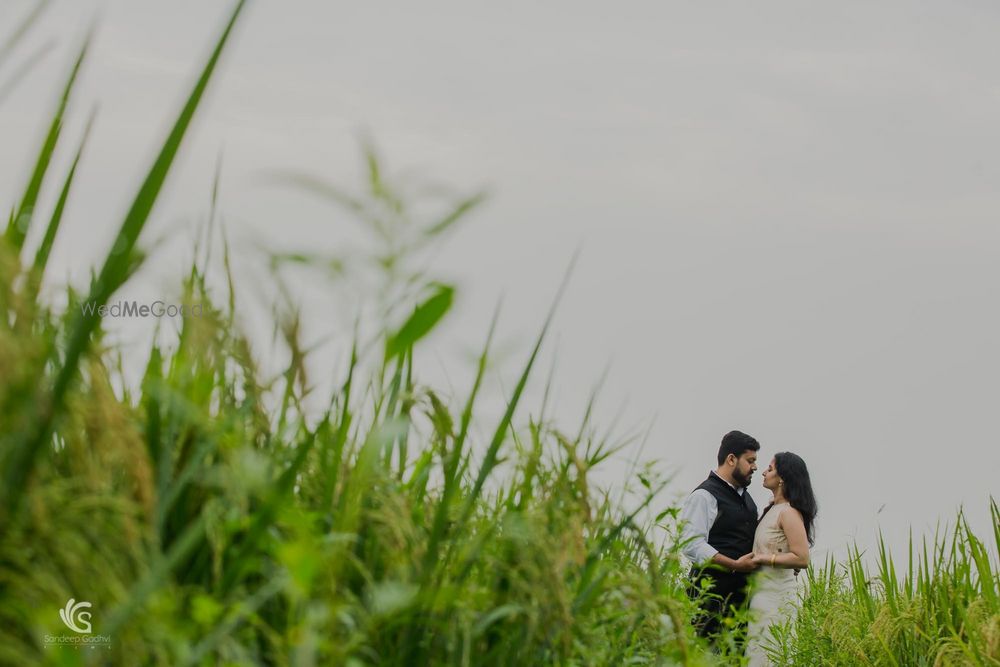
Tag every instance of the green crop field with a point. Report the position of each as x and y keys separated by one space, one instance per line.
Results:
x=209 y=519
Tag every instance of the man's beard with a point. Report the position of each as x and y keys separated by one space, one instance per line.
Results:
x=740 y=479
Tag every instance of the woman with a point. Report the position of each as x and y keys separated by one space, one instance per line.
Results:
x=781 y=548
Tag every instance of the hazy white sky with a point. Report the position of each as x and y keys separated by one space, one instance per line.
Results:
x=787 y=214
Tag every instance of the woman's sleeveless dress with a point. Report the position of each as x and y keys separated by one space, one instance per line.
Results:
x=775 y=590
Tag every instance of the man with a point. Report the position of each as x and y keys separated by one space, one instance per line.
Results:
x=720 y=518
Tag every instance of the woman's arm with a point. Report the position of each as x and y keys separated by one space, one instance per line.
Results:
x=791 y=523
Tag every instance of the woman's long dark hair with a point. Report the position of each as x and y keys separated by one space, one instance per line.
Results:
x=797 y=488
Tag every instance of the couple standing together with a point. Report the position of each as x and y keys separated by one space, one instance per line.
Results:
x=727 y=542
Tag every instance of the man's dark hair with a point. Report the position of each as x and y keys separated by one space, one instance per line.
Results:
x=735 y=443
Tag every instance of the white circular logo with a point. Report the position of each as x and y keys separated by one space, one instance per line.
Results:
x=76 y=620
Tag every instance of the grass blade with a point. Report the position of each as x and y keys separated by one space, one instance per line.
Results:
x=42 y=256
x=18 y=225
x=117 y=266
x=421 y=322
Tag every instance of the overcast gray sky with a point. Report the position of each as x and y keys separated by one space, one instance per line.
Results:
x=787 y=213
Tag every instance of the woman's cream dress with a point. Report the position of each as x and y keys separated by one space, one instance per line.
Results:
x=775 y=590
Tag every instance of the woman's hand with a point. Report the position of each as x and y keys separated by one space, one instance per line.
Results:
x=745 y=563
x=762 y=559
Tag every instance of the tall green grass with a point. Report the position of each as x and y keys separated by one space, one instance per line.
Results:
x=211 y=519
x=941 y=608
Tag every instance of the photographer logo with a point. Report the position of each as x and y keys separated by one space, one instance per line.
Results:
x=76 y=620
x=75 y=616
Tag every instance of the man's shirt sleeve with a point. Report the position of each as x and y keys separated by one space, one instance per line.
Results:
x=698 y=514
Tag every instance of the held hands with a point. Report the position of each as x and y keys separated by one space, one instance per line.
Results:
x=747 y=563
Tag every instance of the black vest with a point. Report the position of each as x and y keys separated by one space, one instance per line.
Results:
x=735 y=525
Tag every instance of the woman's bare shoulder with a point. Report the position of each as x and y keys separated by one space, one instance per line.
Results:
x=790 y=513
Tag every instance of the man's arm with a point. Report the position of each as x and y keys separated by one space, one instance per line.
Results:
x=698 y=514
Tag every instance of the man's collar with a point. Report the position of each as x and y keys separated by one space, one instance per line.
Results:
x=735 y=488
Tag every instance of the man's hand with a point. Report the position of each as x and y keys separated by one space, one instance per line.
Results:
x=745 y=564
